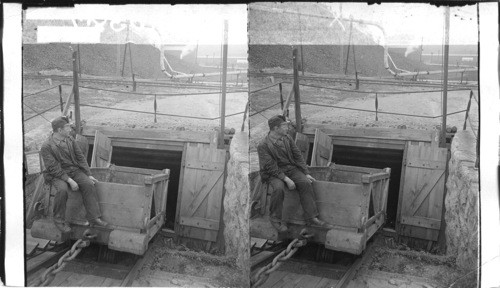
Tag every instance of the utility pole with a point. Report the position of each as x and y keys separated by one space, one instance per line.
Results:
x=220 y=144
x=298 y=118
x=75 y=91
x=442 y=142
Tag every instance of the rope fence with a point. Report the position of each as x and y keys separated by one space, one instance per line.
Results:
x=160 y=114
x=126 y=110
x=152 y=94
x=376 y=111
x=381 y=112
x=39 y=113
x=36 y=93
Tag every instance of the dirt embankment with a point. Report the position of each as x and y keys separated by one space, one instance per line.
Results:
x=104 y=60
x=328 y=59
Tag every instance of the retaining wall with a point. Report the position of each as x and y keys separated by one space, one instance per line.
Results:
x=236 y=203
x=462 y=202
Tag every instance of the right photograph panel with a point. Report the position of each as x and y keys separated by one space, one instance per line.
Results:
x=363 y=144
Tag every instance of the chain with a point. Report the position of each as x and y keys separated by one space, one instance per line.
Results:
x=286 y=254
x=48 y=276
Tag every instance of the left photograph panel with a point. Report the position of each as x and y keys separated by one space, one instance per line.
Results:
x=136 y=146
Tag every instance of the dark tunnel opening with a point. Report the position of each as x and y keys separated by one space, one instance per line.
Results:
x=375 y=158
x=153 y=159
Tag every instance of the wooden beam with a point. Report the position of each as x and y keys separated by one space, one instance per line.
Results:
x=143 y=134
x=375 y=133
x=220 y=143
x=296 y=88
x=68 y=102
x=442 y=140
x=76 y=92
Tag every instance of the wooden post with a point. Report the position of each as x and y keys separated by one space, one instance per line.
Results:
x=348 y=48
x=357 y=80
x=354 y=58
x=76 y=93
x=467 y=111
x=130 y=57
x=133 y=82
x=124 y=58
x=155 y=107
x=220 y=143
x=298 y=118
x=302 y=58
x=79 y=63
x=442 y=142
x=281 y=95
x=60 y=98
x=376 y=106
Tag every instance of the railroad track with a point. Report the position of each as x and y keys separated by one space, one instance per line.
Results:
x=127 y=82
x=326 y=268
x=362 y=80
x=86 y=270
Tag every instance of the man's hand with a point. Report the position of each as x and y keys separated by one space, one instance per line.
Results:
x=72 y=184
x=93 y=179
x=289 y=183
x=310 y=178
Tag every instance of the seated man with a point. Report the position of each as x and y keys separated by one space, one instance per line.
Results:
x=281 y=163
x=66 y=165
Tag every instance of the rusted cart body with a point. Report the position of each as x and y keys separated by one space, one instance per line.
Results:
x=352 y=199
x=132 y=201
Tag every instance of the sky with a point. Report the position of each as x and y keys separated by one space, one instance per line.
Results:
x=415 y=23
x=201 y=24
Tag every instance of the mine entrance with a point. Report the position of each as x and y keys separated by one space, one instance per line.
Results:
x=375 y=158
x=153 y=159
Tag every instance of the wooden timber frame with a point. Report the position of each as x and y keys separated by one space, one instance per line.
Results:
x=199 y=207
x=420 y=203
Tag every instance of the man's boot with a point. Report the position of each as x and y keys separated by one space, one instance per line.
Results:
x=62 y=225
x=278 y=225
x=99 y=222
x=318 y=222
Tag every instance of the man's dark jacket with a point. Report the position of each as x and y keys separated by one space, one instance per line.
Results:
x=58 y=163
x=269 y=158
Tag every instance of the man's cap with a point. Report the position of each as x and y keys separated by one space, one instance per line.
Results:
x=276 y=121
x=59 y=122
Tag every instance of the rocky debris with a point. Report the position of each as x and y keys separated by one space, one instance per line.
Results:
x=462 y=202
x=236 y=211
x=101 y=60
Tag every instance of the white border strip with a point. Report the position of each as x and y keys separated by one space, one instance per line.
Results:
x=13 y=146
x=489 y=146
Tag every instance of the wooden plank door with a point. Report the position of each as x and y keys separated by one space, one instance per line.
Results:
x=419 y=213
x=302 y=142
x=101 y=154
x=322 y=149
x=201 y=191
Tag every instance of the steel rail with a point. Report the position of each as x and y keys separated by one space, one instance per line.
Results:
x=126 y=82
x=380 y=81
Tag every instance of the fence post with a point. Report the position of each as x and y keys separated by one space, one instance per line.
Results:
x=357 y=80
x=60 y=97
x=467 y=110
x=133 y=82
x=155 y=107
x=245 y=116
x=281 y=96
x=376 y=106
